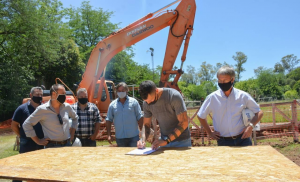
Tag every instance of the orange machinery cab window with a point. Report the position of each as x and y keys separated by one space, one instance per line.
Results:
x=107 y=95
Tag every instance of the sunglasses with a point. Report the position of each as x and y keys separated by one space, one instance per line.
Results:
x=60 y=119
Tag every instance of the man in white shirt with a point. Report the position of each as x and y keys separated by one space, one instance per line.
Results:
x=226 y=106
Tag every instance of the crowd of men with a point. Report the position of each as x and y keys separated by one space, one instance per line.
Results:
x=47 y=125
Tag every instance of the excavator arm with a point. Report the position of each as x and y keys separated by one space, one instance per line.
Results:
x=180 y=21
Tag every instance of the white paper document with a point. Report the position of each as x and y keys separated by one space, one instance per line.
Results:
x=145 y=151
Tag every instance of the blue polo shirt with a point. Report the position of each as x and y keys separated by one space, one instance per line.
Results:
x=125 y=117
x=21 y=114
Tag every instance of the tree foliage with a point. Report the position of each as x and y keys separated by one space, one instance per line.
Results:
x=240 y=59
x=289 y=62
x=206 y=72
x=89 y=26
x=32 y=37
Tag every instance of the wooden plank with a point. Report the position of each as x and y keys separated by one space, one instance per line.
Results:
x=255 y=163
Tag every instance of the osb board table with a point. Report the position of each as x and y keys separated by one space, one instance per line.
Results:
x=259 y=163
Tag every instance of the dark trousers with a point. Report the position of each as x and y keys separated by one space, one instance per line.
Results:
x=235 y=142
x=28 y=145
x=127 y=142
x=85 y=142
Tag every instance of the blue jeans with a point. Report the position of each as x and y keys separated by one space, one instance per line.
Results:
x=182 y=143
x=128 y=142
x=28 y=145
x=54 y=145
x=235 y=142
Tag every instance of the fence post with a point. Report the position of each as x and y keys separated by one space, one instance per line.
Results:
x=295 y=121
x=273 y=112
x=202 y=134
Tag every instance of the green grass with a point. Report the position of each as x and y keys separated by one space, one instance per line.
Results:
x=6 y=146
x=267 y=118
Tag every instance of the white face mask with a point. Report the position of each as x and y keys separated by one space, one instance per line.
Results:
x=121 y=95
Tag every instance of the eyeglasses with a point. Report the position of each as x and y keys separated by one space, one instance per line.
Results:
x=60 y=119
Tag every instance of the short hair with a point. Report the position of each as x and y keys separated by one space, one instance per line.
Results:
x=35 y=88
x=146 y=87
x=54 y=88
x=81 y=90
x=226 y=70
x=122 y=84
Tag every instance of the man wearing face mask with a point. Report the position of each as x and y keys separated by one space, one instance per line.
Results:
x=21 y=114
x=88 y=119
x=226 y=106
x=168 y=107
x=54 y=118
x=125 y=112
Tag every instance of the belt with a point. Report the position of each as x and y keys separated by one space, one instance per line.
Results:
x=231 y=138
x=60 y=142
x=83 y=137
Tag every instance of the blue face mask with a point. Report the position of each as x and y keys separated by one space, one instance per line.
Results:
x=121 y=95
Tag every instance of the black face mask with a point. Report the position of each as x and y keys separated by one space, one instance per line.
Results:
x=82 y=100
x=61 y=98
x=37 y=100
x=225 y=86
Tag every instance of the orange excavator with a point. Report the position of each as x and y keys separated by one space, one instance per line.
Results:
x=181 y=22
x=100 y=91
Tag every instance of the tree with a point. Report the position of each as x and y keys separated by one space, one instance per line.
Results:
x=68 y=67
x=297 y=87
x=258 y=70
x=208 y=87
x=278 y=68
x=295 y=74
x=219 y=65
x=289 y=62
x=89 y=27
x=31 y=33
x=291 y=94
x=189 y=76
x=122 y=68
x=206 y=72
x=268 y=84
x=250 y=86
x=240 y=59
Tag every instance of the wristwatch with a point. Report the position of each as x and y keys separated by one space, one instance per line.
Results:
x=251 y=125
x=167 y=139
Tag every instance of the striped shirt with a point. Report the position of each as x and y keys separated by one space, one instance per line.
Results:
x=86 y=119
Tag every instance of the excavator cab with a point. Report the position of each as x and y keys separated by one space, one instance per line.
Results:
x=103 y=97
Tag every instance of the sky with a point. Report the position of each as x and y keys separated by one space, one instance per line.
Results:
x=265 y=30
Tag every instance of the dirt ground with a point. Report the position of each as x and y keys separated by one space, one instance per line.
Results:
x=286 y=146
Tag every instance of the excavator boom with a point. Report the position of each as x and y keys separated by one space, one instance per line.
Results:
x=180 y=21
